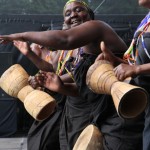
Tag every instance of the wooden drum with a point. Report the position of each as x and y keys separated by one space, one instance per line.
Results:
x=14 y=81
x=89 y=139
x=129 y=100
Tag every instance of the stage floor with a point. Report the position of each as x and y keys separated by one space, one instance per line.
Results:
x=17 y=143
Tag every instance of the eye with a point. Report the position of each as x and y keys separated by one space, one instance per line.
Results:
x=79 y=9
x=67 y=13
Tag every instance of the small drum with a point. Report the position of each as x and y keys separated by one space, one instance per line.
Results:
x=39 y=104
x=89 y=139
x=129 y=100
x=14 y=81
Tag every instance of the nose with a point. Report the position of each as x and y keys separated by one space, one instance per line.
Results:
x=73 y=14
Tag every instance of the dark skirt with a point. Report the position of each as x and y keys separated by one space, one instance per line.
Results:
x=91 y=108
x=44 y=135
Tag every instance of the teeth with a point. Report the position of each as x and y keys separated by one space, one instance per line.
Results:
x=74 y=21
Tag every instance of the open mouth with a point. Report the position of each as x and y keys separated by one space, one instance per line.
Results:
x=75 y=22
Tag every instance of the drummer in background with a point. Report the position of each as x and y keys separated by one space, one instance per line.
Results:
x=136 y=64
x=87 y=107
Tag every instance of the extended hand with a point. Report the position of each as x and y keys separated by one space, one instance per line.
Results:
x=23 y=47
x=4 y=39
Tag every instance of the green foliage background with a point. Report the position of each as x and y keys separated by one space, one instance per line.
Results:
x=56 y=6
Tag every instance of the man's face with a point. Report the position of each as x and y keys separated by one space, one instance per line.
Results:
x=144 y=3
x=75 y=14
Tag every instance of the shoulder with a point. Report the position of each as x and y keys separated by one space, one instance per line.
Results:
x=97 y=24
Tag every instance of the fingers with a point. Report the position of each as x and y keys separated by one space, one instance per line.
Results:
x=44 y=78
x=34 y=46
x=106 y=53
x=100 y=57
x=103 y=47
x=120 y=75
x=1 y=41
x=4 y=41
x=33 y=82
x=16 y=43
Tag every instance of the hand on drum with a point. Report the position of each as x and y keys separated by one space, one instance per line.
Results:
x=124 y=70
x=50 y=81
x=34 y=82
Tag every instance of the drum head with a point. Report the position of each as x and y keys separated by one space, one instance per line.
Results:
x=89 y=139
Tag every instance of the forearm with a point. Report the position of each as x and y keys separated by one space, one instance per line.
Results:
x=40 y=63
x=54 y=39
x=143 y=69
x=66 y=78
x=69 y=89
